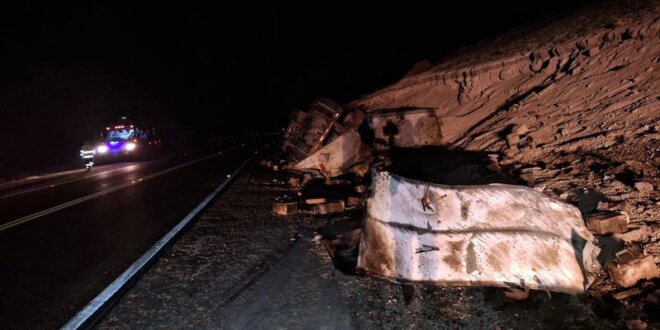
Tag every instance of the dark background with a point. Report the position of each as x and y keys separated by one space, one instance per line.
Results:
x=199 y=69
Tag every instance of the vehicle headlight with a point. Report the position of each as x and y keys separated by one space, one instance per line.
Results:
x=102 y=149
x=130 y=146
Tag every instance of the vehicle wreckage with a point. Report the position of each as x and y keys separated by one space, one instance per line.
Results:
x=419 y=232
x=491 y=235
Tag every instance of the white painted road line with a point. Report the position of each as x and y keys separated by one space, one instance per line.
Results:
x=40 y=214
x=55 y=184
x=90 y=314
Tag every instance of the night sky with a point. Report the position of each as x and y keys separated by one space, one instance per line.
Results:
x=199 y=69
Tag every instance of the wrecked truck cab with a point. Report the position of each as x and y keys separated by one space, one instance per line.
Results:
x=486 y=235
x=308 y=130
x=325 y=141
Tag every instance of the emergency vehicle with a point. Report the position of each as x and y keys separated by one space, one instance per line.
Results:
x=126 y=141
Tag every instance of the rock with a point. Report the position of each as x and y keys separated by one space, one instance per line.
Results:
x=294 y=182
x=512 y=139
x=526 y=143
x=494 y=166
x=521 y=129
x=618 y=185
x=510 y=153
x=540 y=187
x=608 y=222
x=602 y=206
x=627 y=293
x=631 y=266
x=644 y=187
x=361 y=169
x=635 y=165
x=331 y=207
x=637 y=235
x=636 y=325
x=532 y=175
x=353 y=201
x=360 y=189
x=285 y=208
x=517 y=294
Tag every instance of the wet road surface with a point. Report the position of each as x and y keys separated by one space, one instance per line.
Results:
x=62 y=254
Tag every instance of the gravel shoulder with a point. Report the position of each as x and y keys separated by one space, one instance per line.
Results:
x=239 y=266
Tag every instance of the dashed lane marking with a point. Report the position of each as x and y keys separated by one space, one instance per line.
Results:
x=53 y=209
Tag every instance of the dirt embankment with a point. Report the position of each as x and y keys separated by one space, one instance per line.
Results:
x=570 y=106
x=573 y=103
x=584 y=81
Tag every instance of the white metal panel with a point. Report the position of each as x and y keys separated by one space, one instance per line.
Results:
x=337 y=156
x=499 y=235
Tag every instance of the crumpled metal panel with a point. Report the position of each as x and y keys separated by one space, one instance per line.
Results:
x=487 y=235
x=338 y=156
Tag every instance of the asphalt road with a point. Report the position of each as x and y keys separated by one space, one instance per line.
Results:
x=63 y=239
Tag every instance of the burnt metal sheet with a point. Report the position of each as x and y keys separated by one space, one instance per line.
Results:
x=414 y=127
x=492 y=235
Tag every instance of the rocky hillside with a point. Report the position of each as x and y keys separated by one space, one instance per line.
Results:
x=581 y=90
x=586 y=81
x=570 y=106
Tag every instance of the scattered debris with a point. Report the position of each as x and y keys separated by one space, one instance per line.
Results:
x=536 y=116
x=533 y=175
x=636 y=325
x=630 y=266
x=608 y=222
x=512 y=139
x=331 y=207
x=638 y=235
x=294 y=182
x=516 y=294
x=621 y=295
x=337 y=156
x=644 y=187
x=315 y=200
x=285 y=208
x=353 y=201
x=466 y=236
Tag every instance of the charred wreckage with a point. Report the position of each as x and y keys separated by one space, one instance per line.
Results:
x=423 y=232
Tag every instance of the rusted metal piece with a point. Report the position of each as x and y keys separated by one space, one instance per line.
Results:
x=488 y=235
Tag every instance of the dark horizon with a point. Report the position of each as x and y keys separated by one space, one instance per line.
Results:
x=200 y=70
